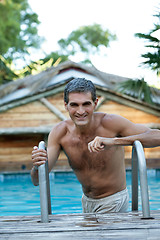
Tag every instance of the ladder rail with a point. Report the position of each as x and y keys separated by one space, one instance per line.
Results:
x=44 y=189
x=139 y=163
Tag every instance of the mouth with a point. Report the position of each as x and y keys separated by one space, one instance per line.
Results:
x=81 y=118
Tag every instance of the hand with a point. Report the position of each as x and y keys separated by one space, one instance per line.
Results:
x=39 y=157
x=96 y=145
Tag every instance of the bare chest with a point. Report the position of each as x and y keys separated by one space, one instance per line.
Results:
x=80 y=158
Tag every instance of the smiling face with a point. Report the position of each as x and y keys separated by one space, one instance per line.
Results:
x=80 y=107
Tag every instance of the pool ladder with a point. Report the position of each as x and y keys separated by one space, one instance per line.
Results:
x=138 y=162
x=44 y=189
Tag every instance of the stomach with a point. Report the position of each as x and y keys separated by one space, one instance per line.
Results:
x=97 y=184
x=100 y=174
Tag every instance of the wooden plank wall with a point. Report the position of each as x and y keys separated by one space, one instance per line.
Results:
x=15 y=154
x=36 y=114
x=29 y=115
x=15 y=151
x=131 y=114
x=58 y=102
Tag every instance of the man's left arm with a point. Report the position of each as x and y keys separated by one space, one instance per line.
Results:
x=128 y=132
x=149 y=138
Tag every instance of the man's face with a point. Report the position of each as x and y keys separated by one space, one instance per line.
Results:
x=80 y=107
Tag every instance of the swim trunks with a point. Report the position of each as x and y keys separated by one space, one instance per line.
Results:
x=117 y=202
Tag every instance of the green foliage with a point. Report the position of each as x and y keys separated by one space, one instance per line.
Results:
x=6 y=74
x=137 y=88
x=50 y=60
x=153 y=43
x=86 y=39
x=18 y=29
x=56 y=58
x=18 y=34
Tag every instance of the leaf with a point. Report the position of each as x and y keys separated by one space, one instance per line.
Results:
x=137 y=88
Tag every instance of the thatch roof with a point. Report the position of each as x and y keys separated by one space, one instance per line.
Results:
x=32 y=86
x=39 y=82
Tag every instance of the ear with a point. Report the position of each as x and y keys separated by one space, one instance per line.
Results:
x=66 y=106
x=95 y=103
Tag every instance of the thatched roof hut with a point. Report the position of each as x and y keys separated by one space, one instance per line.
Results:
x=30 y=107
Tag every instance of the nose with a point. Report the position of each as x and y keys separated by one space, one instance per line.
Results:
x=80 y=110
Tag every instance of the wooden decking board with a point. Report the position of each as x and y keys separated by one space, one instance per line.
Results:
x=82 y=226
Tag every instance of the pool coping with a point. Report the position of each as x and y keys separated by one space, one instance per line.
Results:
x=157 y=170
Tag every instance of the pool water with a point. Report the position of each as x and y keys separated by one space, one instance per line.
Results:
x=18 y=196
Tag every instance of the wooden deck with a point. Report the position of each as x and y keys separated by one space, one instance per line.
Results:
x=121 y=226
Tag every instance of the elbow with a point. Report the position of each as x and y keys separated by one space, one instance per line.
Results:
x=34 y=179
x=35 y=183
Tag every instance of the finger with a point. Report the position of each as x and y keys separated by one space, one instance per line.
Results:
x=39 y=156
x=96 y=144
x=91 y=147
x=37 y=164
x=95 y=147
x=39 y=152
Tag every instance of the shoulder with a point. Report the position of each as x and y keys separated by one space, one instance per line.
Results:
x=115 y=123
x=59 y=130
x=109 y=118
x=113 y=118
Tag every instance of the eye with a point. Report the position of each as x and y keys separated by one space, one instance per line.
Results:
x=87 y=104
x=73 y=104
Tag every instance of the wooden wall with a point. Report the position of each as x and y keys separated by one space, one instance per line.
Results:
x=15 y=153
x=131 y=114
x=29 y=115
x=15 y=150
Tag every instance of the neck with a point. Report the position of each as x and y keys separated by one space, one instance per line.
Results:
x=85 y=130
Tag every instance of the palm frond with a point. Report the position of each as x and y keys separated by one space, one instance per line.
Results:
x=137 y=88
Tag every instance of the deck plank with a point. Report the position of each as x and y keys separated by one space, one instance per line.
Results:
x=82 y=226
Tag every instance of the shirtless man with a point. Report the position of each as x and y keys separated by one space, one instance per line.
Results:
x=93 y=143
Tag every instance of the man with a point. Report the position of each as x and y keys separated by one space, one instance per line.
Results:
x=93 y=143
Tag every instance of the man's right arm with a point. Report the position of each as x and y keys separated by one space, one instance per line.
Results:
x=40 y=156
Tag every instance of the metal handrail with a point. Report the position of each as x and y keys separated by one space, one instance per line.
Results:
x=138 y=161
x=44 y=189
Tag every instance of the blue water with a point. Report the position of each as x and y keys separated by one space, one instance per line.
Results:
x=18 y=196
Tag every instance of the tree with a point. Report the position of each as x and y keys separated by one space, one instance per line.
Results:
x=23 y=35
x=35 y=67
x=136 y=88
x=18 y=28
x=153 y=43
x=87 y=40
x=18 y=32
x=6 y=74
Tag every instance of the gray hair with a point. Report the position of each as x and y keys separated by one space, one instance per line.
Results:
x=79 y=85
